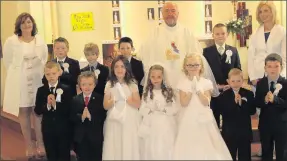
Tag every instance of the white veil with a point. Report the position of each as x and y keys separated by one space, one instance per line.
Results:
x=144 y=82
x=208 y=74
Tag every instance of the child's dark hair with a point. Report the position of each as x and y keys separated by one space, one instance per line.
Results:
x=273 y=57
x=87 y=74
x=218 y=26
x=61 y=39
x=128 y=75
x=167 y=92
x=126 y=40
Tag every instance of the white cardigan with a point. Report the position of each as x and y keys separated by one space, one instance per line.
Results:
x=13 y=59
x=258 y=50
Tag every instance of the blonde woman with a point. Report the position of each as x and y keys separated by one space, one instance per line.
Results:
x=24 y=56
x=270 y=37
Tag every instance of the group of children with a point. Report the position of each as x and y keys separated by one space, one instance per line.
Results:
x=116 y=118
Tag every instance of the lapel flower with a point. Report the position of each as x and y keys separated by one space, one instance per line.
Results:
x=228 y=56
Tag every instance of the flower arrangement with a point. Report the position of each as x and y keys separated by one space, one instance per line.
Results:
x=235 y=27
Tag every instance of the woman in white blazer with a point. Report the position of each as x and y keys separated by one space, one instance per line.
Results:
x=270 y=37
x=24 y=56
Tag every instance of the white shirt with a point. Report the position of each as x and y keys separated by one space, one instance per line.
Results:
x=63 y=60
x=54 y=90
x=129 y=58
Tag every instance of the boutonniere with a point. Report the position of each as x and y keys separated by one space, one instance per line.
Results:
x=66 y=67
x=174 y=47
x=59 y=92
x=97 y=73
x=228 y=56
x=244 y=99
x=278 y=87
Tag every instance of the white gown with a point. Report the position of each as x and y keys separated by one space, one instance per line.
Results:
x=121 y=141
x=157 y=129
x=198 y=136
x=160 y=42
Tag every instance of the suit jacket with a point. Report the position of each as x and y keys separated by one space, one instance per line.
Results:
x=275 y=113
x=70 y=78
x=102 y=79
x=217 y=63
x=54 y=120
x=138 y=72
x=93 y=130
x=236 y=118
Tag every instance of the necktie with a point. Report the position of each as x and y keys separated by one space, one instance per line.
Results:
x=86 y=101
x=52 y=90
x=272 y=89
x=221 y=50
x=92 y=68
x=61 y=63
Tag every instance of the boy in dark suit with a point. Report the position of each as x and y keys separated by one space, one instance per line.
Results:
x=53 y=102
x=221 y=58
x=126 y=47
x=91 y=52
x=271 y=98
x=70 y=67
x=236 y=106
x=88 y=115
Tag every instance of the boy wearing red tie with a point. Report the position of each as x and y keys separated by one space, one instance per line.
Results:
x=53 y=102
x=88 y=115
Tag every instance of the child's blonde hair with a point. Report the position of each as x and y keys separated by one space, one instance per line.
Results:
x=52 y=64
x=87 y=74
x=63 y=40
x=235 y=72
x=194 y=56
x=91 y=47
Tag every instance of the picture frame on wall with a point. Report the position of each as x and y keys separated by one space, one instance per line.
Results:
x=208 y=10
x=116 y=17
x=208 y=27
x=150 y=13
x=117 y=33
x=115 y=3
x=110 y=51
x=160 y=17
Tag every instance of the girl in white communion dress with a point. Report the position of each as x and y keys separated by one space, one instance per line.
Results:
x=198 y=136
x=158 y=127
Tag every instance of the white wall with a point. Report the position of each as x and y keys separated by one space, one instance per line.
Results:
x=102 y=19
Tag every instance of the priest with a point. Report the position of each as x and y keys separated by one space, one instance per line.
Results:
x=169 y=43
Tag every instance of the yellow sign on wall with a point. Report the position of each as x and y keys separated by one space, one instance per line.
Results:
x=82 y=21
